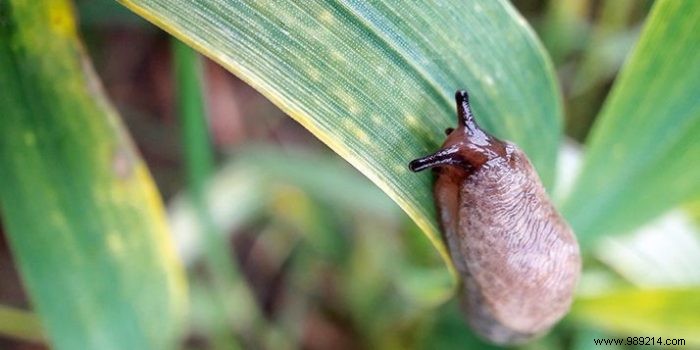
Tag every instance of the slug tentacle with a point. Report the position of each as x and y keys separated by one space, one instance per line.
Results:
x=465 y=117
x=444 y=156
x=467 y=146
x=518 y=258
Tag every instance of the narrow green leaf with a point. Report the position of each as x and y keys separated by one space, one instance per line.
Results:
x=225 y=273
x=198 y=155
x=375 y=80
x=666 y=313
x=643 y=153
x=83 y=216
x=198 y=151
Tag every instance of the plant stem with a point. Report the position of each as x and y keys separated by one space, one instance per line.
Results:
x=238 y=307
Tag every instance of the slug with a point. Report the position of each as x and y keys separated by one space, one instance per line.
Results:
x=518 y=259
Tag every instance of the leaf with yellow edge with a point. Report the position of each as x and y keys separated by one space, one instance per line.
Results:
x=84 y=219
x=375 y=80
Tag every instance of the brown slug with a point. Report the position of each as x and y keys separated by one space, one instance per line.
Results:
x=518 y=259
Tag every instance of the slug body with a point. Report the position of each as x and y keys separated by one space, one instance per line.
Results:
x=518 y=258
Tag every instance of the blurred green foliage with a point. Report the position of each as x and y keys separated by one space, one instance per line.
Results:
x=289 y=247
x=82 y=215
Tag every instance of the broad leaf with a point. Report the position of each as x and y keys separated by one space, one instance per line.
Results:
x=83 y=216
x=643 y=154
x=375 y=80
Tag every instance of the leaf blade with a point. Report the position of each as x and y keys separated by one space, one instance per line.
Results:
x=374 y=82
x=643 y=149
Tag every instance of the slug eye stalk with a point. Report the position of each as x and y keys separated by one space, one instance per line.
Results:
x=442 y=157
x=467 y=146
x=465 y=117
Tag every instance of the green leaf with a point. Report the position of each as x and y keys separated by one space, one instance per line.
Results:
x=643 y=153
x=375 y=81
x=666 y=313
x=84 y=219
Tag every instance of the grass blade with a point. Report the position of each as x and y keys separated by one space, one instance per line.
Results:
x=375 y=80
x=643 y=153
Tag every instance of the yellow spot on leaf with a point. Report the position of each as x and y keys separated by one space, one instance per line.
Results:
x=326 y=17
x=350 y=102
x=29 y=138
x=313 y=73
x=359 y=134
x=115 y=243
x=411 y=120
x=61 y=19
x=336 y=56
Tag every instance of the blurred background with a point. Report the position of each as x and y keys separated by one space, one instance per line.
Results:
x=309 y=252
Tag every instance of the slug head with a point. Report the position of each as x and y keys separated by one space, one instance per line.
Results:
x=467 y=146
